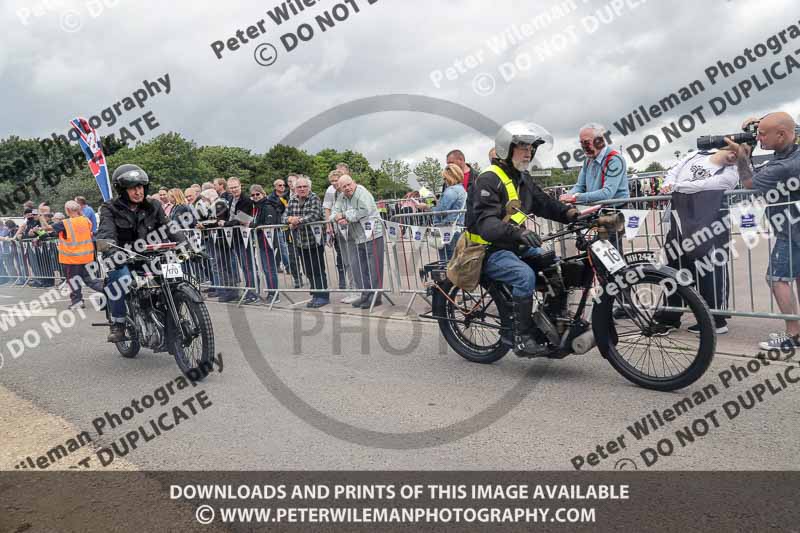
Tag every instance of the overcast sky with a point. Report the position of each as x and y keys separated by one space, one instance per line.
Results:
x=648 y=51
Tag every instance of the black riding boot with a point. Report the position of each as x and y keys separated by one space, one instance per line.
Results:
x=524 y=343
x=117 y=332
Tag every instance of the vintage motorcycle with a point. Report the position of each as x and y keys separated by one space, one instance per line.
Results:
x=165 y=311
x=477 y=325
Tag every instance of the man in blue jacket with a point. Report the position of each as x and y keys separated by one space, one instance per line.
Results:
x=604 y=175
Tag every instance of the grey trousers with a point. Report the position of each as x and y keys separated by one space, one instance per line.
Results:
x=366 y=263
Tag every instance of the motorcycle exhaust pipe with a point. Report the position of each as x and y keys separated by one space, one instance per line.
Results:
x=583 y=343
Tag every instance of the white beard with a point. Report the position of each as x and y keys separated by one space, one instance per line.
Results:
x=522 y=167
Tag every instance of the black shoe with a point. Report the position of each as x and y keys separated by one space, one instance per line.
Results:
x=722 y=329
x=368 y=303
x=298 y=284
x=664 y=319
x=316 y=303
x=117 y=333
x=359 y=303
x=250 y=299
x=524 y=343
x=228 y=297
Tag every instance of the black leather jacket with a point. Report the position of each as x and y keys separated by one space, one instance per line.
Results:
x=123 y=226
x=486 y=206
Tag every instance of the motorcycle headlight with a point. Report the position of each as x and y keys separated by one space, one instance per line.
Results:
x=615 y=222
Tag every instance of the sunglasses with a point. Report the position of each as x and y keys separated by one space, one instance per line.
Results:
x=256 y=194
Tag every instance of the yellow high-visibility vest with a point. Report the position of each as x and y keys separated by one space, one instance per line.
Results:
x=518 y=218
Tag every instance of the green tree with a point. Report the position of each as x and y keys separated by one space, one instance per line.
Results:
x=655 y=166
x=429 y=174
x=227 y=161
x=169 y=160
x=326 y=160
x=282 y=160
x=394 y=174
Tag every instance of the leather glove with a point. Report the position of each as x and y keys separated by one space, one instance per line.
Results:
x=572 y=215
x=529 y=238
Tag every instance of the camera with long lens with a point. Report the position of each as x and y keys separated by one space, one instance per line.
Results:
x=714 y=142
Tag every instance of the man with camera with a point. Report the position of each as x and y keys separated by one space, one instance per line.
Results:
x=779 y=181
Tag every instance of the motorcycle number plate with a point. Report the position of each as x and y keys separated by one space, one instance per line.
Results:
x=609 y=256
x=172 y=270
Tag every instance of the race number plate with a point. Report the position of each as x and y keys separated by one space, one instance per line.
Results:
x=172 y=270
x=609 y=256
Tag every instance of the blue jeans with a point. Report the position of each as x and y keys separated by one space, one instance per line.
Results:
x=784 y=262
x=117 y=286
x=506 y=267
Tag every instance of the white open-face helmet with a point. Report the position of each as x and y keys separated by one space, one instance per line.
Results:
x=520 y=131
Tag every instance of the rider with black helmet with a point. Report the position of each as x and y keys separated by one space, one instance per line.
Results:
x=496 y=208
x=124 y=220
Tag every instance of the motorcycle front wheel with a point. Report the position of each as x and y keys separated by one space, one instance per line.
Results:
x=645 y=349
x=194 y=352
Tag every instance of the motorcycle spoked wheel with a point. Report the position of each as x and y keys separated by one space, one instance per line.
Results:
x=473 y=342
x=646 y=353
x=195 y=354
x=129 y=348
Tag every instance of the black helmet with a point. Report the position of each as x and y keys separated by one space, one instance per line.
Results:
x=128 y=176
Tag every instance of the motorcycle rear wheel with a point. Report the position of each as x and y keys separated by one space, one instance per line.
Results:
x=129 y=348
x=474 y=342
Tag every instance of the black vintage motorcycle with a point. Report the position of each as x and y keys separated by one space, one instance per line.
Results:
x=166 y=312
x=477 y=325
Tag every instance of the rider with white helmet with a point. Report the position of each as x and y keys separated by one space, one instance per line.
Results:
x=492 y=222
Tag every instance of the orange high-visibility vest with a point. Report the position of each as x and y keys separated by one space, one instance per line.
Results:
x=77 y=248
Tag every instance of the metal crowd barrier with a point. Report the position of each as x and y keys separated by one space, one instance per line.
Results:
x=271 y=262
x=31 y=260
x=275 y=261
x=747 y=296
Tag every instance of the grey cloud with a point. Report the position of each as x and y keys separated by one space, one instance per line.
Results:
x=390 y=47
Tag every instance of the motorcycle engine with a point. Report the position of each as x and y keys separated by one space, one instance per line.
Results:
x=147 y=323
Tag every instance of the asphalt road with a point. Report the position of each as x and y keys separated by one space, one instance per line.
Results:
x=323 y=391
